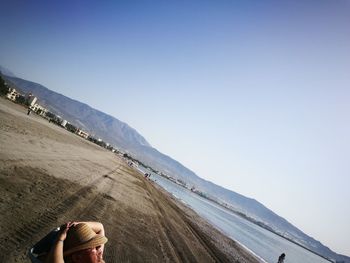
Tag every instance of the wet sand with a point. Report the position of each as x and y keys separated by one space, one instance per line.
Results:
x=49 y=176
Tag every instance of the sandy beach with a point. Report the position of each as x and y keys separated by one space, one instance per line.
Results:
x=49 y=176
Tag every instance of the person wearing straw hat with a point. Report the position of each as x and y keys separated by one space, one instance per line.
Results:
x=79 y=242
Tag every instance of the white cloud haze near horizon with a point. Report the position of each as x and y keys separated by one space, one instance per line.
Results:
x=253 y=96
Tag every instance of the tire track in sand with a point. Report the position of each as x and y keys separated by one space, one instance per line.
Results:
x=167 y=248
x=169 y=236
x=33 y=229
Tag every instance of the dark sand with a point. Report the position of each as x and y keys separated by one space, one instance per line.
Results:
x=49 y=176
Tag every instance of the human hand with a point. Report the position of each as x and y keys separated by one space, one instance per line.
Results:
x=62 y=235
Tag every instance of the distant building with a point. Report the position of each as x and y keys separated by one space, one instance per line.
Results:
x=12 y=95
x=32 y=100
x=64 y=123
x=38 y=109
x=83 y=134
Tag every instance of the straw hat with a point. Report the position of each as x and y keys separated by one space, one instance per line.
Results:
x=81 y=237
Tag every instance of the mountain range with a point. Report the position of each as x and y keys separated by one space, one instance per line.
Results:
x=124 y=137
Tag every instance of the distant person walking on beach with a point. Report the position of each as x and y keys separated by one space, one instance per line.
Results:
x=78 y=242
x=281 y=258
x=28 y=111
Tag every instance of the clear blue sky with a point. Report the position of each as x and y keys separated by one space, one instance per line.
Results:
x=251 y=95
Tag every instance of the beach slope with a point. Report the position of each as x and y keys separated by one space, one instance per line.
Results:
x=49 y=176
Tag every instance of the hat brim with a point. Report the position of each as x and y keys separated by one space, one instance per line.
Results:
x=96 y=241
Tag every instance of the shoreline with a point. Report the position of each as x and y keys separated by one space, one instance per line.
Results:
x=240 y=244
x=243 y=216
x=185 y=206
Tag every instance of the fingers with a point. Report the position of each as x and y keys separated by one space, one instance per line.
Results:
x=69 y=224
x=74 y=223
x=64 y=228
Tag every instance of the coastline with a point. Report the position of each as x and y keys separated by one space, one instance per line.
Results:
x=186 y=207
x=240 y=214
x=49 y=176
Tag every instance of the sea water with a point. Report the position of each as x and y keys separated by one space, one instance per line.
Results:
x=264 y=244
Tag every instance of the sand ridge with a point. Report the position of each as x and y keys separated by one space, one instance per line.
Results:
x=49 y=176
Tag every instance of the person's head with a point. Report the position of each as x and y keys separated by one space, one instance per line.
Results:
x=83 y=245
